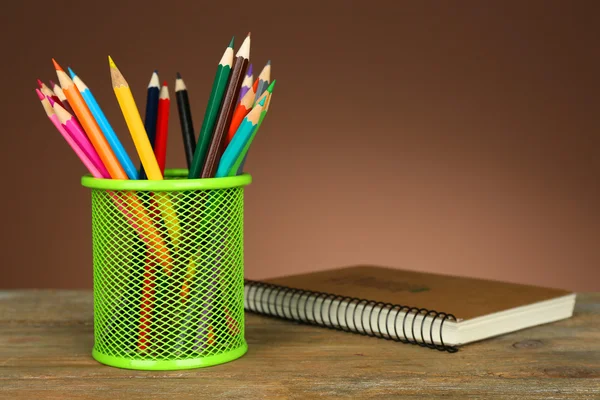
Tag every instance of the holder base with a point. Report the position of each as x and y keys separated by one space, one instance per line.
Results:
x=169 y=365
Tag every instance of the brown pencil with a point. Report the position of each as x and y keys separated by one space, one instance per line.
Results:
x=215 y=150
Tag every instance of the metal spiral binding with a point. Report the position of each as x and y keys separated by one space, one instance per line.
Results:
x=393 y=313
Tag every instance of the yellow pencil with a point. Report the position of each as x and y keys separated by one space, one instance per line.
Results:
x=144 y=149
x=134 y=122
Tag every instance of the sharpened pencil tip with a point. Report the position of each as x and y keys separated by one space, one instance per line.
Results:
x=56 y=66
x=271 y=86
x=178 y=75
x=40 y=94
x=231 y=43
x=248 y=34
x=262 y=101
x=165 y=83
x=71 y=73
x=156 y=71
x=111 y=62
x=52 y=84
x=269 y=62
x=40 y=83
x=249 y=70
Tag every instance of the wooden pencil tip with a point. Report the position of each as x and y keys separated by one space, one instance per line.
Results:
x=178 y=75
x=111 y=62
x=231 y=43
x=269 y=62
x=271 y=86
x=40 y=83
x=248 y=34
x=52 y=83
x=71 y=73
x=40 y=94
x=165 y=83
x=56 y=66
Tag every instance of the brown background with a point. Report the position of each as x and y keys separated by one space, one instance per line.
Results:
x=457 y=137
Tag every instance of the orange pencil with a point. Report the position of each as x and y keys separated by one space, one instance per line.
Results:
x=255 y=86
x=240 y=113
x=89 y=124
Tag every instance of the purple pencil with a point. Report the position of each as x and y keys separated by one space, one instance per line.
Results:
x=247 y=83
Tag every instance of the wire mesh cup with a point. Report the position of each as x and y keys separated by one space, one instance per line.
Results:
x=168 y=271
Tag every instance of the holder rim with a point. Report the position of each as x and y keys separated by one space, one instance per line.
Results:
x=167 y=184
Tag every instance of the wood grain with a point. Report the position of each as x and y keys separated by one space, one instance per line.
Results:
x=46 y=339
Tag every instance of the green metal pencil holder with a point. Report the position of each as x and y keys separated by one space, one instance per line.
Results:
x=168 y=271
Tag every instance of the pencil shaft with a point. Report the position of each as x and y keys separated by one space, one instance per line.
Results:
x=77 y=149
x=89 y=124
x=187 y=126
x=138 y=132
x=110 y=134
x=150 y=120
x=162 y=132
x=212 y=110
x=82 y=140
x=215 y=148
x=238 y=166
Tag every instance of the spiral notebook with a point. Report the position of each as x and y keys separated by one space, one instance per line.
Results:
x=431 y=310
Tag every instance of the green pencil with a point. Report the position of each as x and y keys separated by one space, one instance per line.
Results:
x=212 y=111
x=238 y=166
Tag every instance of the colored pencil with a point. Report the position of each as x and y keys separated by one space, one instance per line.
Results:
x=85 y=159
x=247 y=83
x=105 y=126
x=134 y=122
x=212 y=111
x=238 y=166
x=61 y=95
x=162 y=127
x=239 y=114
x=46 y=91
x=185 y=120
x=68 y=138
x=240 y=138
x=151 y=113
x=142 y=144
x=89 y=124
x=255 y=86
x=264 y=80
x=215 y=149
x=74 y=129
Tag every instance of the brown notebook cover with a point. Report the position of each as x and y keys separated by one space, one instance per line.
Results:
x=466 y=298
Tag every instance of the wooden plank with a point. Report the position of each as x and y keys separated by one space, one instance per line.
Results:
x=46 y=340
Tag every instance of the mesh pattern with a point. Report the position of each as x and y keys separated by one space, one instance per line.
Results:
x=168 y=273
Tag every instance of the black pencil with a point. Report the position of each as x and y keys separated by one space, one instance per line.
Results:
x=215 y=150
x=185 y=119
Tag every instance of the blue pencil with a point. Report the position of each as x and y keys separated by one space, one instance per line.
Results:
x=241 y=137
x=109 y=133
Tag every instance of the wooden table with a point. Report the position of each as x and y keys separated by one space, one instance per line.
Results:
x=46 y=338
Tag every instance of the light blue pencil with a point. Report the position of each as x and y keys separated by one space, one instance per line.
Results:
x=241 y=137
x=109 y=133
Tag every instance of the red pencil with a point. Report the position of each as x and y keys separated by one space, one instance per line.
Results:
x=162 y=127
x=48 y=92
x=239 y=114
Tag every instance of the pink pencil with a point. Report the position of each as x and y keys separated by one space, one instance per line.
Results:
x=77 y=133
x=80 y=153
x=96 y=173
